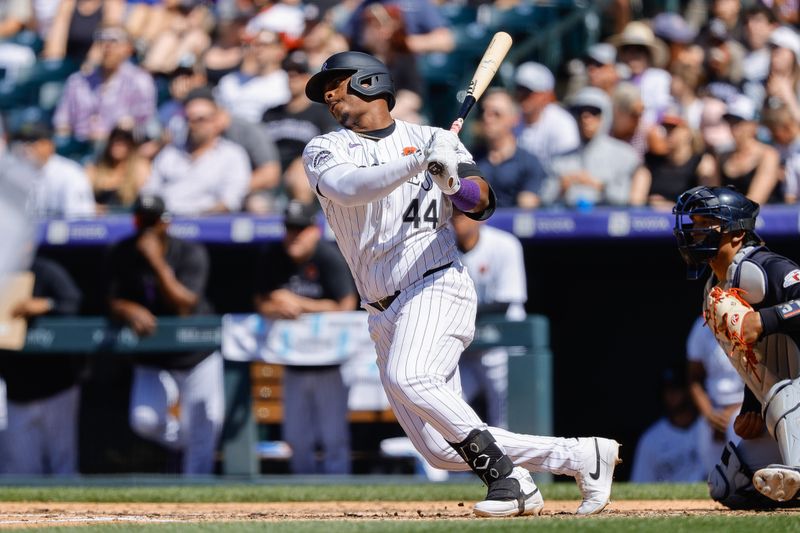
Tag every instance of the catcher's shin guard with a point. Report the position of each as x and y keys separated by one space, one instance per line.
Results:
x=729 y=482
x=782 y=416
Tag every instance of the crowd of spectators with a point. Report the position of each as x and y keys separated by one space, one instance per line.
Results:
x=694 y=96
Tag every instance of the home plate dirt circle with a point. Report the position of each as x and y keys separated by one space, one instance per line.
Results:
x=35 y=514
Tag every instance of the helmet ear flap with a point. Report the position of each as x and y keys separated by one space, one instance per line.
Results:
x=379 y=83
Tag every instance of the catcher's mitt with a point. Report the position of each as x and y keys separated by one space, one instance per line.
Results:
x=724 y=314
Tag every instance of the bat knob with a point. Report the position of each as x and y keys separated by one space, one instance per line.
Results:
x=435 y=168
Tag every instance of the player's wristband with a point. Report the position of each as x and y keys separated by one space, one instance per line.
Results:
x=467 y=197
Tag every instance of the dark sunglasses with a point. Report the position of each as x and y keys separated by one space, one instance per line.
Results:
x=199 y=118
x=592 y=110
x=732 y=120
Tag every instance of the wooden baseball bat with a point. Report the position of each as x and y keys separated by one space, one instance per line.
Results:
x=487 y=68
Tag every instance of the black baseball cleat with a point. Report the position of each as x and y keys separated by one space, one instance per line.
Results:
x=514 y=495
x=777 y=482
x=594 y=479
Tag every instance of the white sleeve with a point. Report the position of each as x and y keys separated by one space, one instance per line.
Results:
x=568 y=138
x=78 y=196
x=618 y=189
x=512 y=283
x=237 y=179
x=698 y=341
x=642 y=471
x=343 y=182
x=153 y=183
x=792 y=182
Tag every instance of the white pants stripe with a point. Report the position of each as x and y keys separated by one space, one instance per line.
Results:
x=181 y=409
x=419 y=340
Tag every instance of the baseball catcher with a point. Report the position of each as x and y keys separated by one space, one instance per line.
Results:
x=752 y=305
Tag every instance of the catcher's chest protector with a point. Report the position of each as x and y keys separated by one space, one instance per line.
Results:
x=778 y=354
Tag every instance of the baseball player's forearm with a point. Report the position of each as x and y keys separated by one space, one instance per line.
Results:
x=181 y=299
x=486 y=202
x=483 y=193
x=781 y=318
x=700 y=399
x=135 y=315
x=349 y=185
x=324 y=305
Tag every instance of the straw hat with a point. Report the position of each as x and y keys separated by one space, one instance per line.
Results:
x=639 y=34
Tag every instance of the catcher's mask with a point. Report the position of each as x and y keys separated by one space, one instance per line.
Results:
x=370 y=76
x=698 y=245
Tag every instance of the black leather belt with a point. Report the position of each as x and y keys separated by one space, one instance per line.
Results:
x=384 y=303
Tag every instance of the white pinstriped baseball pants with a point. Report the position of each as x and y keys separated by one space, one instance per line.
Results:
x=199 y=391
x=419 y=340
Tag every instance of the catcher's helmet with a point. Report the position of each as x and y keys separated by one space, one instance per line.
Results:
x=698 y=246
x=370 y=76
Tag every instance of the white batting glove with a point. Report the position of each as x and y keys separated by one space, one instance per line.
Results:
x=441 y=151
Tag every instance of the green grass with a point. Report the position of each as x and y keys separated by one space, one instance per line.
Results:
x=773 y=523
x=278 y=492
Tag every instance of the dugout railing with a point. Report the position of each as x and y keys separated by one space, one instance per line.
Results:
x=530 y=372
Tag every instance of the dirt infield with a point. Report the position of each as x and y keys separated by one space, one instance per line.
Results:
x=22 y=514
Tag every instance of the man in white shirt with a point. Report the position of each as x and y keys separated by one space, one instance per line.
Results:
x=494 y=260
x=210 y=174
x=548 y=129
x=60 y=188
x=260 y=83
x=715 y=387
x=672 y=449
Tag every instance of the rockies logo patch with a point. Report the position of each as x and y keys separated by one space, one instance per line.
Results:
x=321 y=157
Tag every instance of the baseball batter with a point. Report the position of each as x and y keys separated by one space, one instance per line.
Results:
x=391 y=220
x=752 y=305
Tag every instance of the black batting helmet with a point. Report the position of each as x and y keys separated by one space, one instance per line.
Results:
x=733 y=210
x=370 y=76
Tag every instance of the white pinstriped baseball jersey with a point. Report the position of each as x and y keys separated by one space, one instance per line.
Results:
x=391 y=242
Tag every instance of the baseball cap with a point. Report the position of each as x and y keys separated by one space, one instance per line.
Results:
x=740 y=107
x=200 y=93
x=674 y=377
x=718 y=30
x=602 y=53
x=590 y=97
x=673 y=28
x=262 y=36
x=300 y=214
x=148 y=209
x=186 y=65
x=28 y=124
x=296 y=61
x=786 y=37
x=31 y=131
x=535 y=77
